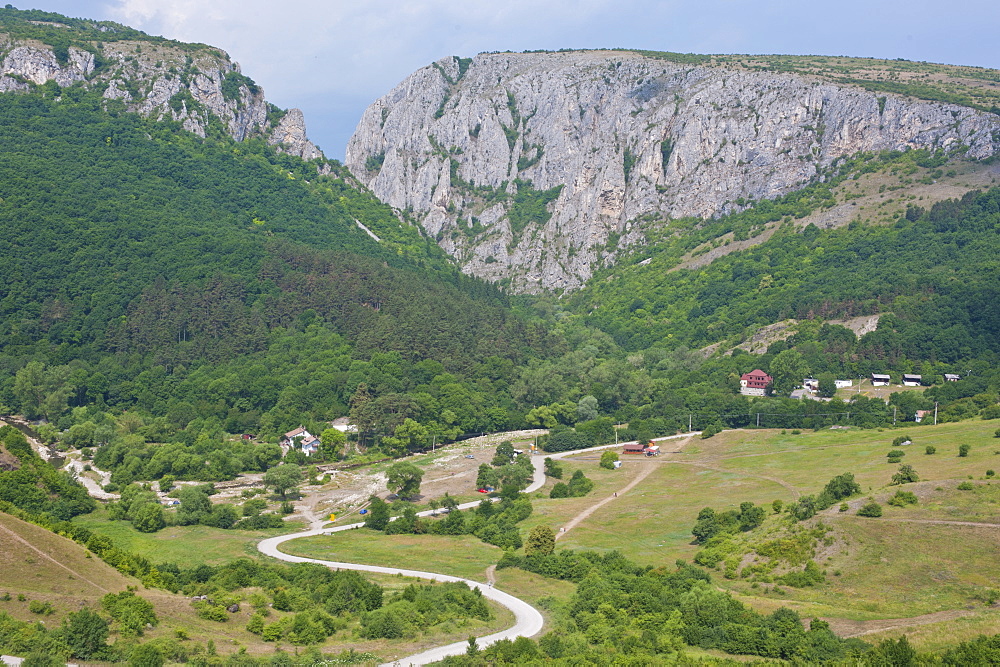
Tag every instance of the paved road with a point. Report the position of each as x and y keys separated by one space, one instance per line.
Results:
x=528 y=620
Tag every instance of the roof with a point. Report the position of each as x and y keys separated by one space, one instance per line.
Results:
x=757 y=373
x=635 y=447
x=910 y=375
x=297 y=432
x=880 y=376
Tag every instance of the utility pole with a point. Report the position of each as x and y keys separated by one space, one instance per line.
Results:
x=758 y=420
x=935 y=413
x=894 y=415
x=690 y=417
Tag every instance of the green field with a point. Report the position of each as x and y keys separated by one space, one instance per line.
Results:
x=186 y=546
x=461 y=556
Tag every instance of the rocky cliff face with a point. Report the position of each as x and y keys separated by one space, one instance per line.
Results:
x=539 y=167
x=191 y=84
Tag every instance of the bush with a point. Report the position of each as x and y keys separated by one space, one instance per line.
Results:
x=990 y=473
x=608 y=460
x=966 y=486
x=39 y=607
x=963 y=450
x=902 y=440
x=930 y=449
x=560 y=490
x=870 y=509
x=904 y=475
x=903 y=498
x=896 y=454
x=844 y=507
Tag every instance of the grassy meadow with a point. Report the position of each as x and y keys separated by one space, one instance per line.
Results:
x=879 y=572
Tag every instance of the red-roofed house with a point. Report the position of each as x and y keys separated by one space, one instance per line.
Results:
x=755 y=383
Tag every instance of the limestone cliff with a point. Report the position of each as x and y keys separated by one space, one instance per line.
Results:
x=538 y=167
x=192 y=84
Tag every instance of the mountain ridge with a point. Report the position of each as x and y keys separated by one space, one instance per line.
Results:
x=535 y=169
x=193 y=84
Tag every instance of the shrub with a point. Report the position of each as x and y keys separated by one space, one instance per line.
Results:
x=896 y=454
x=966 y=486
x=560 y=490
x=996 y=433
x=39 y=607
x=963 y=450
x=608 y=460
x=902 y=440
x=930 y=449
x=903 y=498
x=796 y=432
x=870 y=509
x=904 y=475
x=990 y=473
x=844 y=507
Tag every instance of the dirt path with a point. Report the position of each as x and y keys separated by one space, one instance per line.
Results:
x=940 y=522
x=643 y=474
x=843 y=627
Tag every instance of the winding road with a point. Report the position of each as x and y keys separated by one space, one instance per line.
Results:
x=528 y=621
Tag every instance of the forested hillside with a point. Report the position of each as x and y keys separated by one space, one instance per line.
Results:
x=165 y=288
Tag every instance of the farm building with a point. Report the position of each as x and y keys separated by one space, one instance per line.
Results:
x=633 y=448
x=755 y=383
x=880 y=380
x=910 y=380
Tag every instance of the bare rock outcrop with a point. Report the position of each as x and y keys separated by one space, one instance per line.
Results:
x=537 y=168
x=191 y=84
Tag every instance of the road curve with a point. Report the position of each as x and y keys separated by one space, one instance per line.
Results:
x=528 y=620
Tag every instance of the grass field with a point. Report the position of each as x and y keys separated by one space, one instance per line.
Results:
x=184 y=545
x=461 y=556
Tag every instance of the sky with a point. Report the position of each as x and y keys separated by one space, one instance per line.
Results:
x=332 y=58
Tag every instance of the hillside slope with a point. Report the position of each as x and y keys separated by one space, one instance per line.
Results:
x=536 y=168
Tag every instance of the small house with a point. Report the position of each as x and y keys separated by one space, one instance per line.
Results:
x=811 y=384
x=288 y=440
x=309 y=445
x=843 y=384
x=880 y=380
x=910 y=380
x=920 y=414
x=755 y=383
x=248 y=437
x=299 y=438
x=951 y=377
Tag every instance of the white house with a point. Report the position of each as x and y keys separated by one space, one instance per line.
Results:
x=301 y=438
x=880 y=380
x=910 y=380
x=843 y=384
